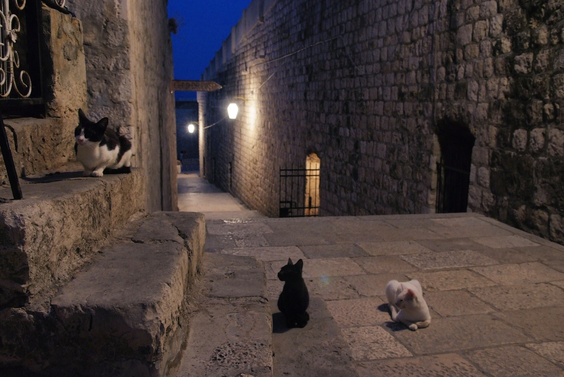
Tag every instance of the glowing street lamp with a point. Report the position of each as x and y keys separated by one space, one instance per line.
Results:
x=191 y=128
x=232 y=110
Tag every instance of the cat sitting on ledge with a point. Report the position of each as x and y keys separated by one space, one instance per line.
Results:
x=100 y=149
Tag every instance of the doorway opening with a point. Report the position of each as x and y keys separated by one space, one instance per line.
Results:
x=313 y=167
x=453 y=168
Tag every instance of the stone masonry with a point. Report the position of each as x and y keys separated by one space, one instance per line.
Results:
x=369 y=85
x=129 y=69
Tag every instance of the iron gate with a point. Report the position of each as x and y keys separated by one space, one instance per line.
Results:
x=297 y=197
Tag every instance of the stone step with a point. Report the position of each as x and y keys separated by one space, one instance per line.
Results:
x=57 y=228
x=231 y=333
x=126 y=314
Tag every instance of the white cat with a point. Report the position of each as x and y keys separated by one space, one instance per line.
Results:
x=407 y=304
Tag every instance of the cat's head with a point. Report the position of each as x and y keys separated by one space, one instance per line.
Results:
x=88 y=131
x=291 y=271
x=406 y=298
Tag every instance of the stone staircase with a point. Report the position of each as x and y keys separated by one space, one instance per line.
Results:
x=89 y=285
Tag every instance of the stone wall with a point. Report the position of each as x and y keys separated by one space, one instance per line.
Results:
x=129 y=69
x=370 y=87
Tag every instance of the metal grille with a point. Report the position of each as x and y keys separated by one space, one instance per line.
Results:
x=297 y=197
x=20 y=63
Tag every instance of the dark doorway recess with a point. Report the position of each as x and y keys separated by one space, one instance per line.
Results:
x=453 y=169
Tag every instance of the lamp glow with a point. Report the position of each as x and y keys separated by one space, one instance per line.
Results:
x=191 y=128
x=232 y=110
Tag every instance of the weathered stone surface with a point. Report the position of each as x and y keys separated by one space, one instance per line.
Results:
x=393 y=248
x=358 y=312
x=553 y=351
x=456 y=334
x=384 y=264
x=373 y=343
x=448 y=259
x=57 y=228
x=514 y=297
x=448 y=303
x=268 y=253
x=450 y=280
x=541 y=323
x=125 y=312
x=425 y=366
x=317 y=350
x=329 y=251
x=231 y=330
x=474 y=308
x=525 y=273
x=513 y=361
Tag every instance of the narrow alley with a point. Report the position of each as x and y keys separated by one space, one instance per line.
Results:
x=496 y=295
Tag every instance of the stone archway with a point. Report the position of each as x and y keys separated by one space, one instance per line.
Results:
x=313 y=168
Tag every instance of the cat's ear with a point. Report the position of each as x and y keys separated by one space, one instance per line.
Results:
x=290 y=262
x=81 y=115
x=103 y=123
x=300 y=264
x=410 y=294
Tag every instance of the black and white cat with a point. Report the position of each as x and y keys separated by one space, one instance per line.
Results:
x=100 y=149
x=294 y=299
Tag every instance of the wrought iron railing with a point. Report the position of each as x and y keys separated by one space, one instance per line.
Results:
x=297 y=198
x=21 y=91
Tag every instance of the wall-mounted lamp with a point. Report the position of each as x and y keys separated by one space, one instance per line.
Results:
x=232 y=110
x=191 y=127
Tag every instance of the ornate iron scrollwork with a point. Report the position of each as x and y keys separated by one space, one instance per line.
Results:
x=12 y=77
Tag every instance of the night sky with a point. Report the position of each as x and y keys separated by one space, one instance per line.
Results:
x=202 y=27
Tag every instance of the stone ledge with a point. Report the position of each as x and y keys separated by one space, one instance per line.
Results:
x=57 y=228
x=124 y=315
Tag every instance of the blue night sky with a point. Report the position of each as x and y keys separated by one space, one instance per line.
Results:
x=202 y=26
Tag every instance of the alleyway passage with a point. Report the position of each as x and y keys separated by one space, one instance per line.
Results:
x=496 y=294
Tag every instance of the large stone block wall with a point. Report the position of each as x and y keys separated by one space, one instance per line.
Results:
x=129 y=69
x=366 y=85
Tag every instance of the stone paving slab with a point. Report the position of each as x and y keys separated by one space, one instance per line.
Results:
x=318 y=350
x=230 y=330
x=502 y=362
x=428 y=366
x=493 y=291
x=524 y=273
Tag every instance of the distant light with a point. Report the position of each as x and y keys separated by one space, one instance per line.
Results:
x=232 y=110
x=191 y=128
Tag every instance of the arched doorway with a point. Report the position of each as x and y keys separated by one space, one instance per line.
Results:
x=313 y=167
x=453 y=167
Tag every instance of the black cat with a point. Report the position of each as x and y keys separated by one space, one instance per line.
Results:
x=294 y=299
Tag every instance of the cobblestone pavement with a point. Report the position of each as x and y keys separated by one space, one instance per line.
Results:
x=496 y=294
